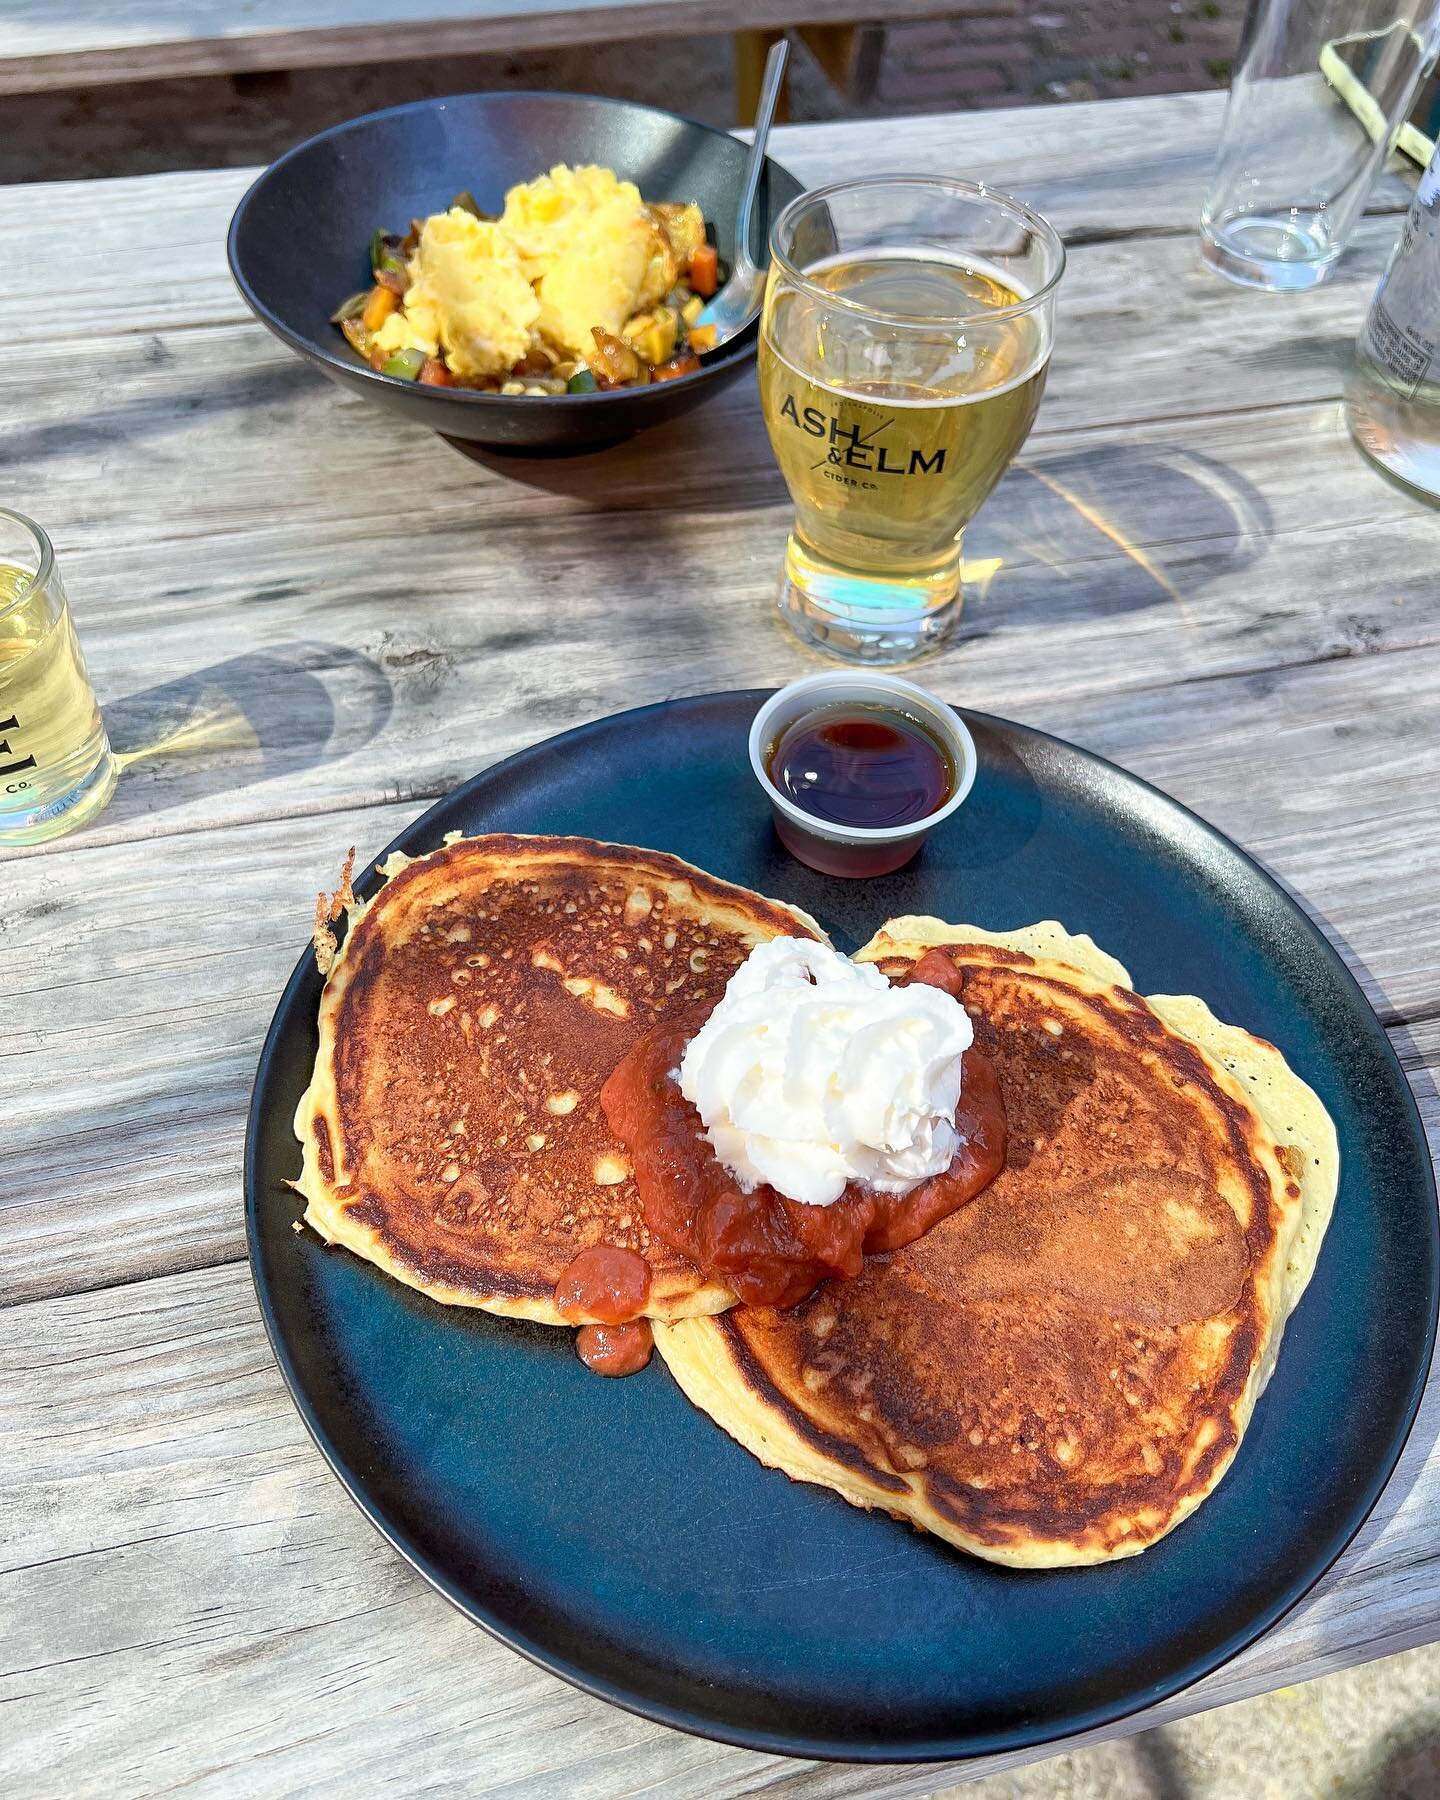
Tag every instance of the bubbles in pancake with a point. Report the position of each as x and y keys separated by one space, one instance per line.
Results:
x=1155 y=1245
x=552 y=1021
x=477 y=1007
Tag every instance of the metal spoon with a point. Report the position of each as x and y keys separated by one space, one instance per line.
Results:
x=738 y=301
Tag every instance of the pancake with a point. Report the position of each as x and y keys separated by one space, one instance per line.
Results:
x=1062 y=1371
x=452 y=1130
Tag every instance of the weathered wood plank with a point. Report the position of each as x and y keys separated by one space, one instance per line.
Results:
x=192 y=1601
x=154 y=969
x=50 y=45
x=236 y=409
x=374 y=641
x=1104 y=169
x=119 y=414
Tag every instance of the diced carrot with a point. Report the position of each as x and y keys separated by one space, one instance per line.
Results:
x=702 y=337
x=704 y=271
x=433 y=373
x=683 y=364
x=378 y=308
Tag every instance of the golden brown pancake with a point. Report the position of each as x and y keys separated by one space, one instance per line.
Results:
x=452 y=1129
x=1062 y=1370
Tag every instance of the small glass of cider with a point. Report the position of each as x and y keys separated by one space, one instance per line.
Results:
x=904 y=346
x=56 y=769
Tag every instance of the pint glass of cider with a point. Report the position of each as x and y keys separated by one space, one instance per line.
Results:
x=56 y=770
x=903 y=351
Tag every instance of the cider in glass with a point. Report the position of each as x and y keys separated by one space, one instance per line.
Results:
x=898 y=378
x=56 y=769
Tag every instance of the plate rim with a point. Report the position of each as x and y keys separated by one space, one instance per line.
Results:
x=821 y=1749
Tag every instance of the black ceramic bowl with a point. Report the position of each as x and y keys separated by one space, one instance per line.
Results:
x=299 y=241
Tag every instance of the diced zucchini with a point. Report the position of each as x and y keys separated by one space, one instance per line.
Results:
x=582 y=382
x=383 y=253
x=407 y=364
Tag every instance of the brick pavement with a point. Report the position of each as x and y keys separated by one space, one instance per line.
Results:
x=1088 y=50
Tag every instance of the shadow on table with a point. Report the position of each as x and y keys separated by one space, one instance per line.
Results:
x=1110 y=529
x=153 y=412
x=1331 y=355
x=716 y=458
x=257 y=717
x=1175 y=519
x=1407 y=1766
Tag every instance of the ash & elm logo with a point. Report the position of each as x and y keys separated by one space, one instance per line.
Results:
x=847 y=447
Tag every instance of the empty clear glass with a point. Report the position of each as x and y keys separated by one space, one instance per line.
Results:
x=1319 y=89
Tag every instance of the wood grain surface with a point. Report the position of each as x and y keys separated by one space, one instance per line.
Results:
x=307 y=622
x=51 y=44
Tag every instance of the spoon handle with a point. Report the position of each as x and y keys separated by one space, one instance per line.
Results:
x=764 y=116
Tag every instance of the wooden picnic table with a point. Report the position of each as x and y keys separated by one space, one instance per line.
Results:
x=308 y=622
x=48 y=44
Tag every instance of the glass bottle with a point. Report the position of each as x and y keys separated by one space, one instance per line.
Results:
x=1392 y=400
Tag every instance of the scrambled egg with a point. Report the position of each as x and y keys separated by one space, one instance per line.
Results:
x=541 y=216
x=592 y=249
x=573 y=249
x=468 y=295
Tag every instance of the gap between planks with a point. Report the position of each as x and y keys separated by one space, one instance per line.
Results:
x=1102 y=431
x=424 y=794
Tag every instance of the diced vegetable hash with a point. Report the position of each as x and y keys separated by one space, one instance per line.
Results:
x=578 y=285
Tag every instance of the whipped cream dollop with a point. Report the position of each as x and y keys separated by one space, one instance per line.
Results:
x=812 y=1071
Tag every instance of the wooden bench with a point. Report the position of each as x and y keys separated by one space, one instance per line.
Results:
x=54 y=44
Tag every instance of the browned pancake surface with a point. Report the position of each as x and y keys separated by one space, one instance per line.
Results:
x=1062 y=1369
x=479 y=1006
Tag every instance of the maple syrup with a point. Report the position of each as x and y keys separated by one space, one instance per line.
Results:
x=869 y=766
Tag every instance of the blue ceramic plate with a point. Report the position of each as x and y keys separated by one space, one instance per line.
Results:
x=612 y=1533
